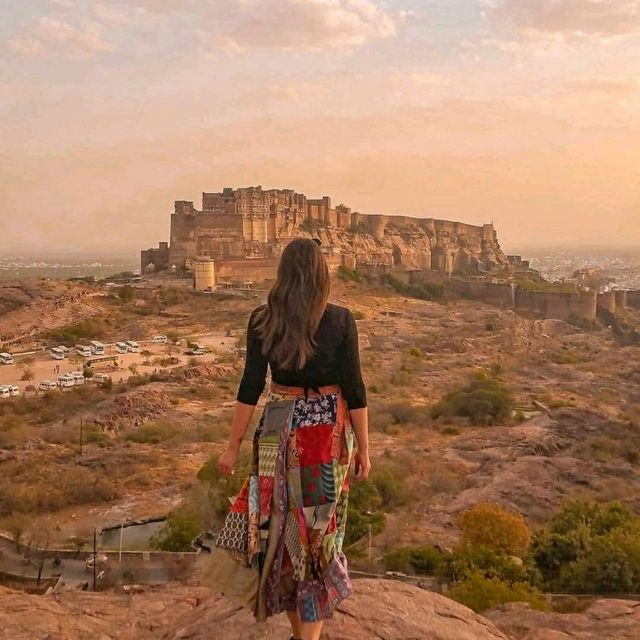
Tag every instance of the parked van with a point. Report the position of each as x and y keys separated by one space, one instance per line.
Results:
x=66 y=381
x=159 y=339
x=47 y=385
x=97 y=348
x=100 y=378
x=83 y=350
x=57 y=353
x=78 y=377
x=121 y=347
x=14 y=390
x=6 y=358
x=5 y=392
x=132 y=346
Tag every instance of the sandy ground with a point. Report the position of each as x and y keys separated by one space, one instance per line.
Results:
x=44 y=366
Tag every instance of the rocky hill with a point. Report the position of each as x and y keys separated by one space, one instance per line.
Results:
x=378 y=610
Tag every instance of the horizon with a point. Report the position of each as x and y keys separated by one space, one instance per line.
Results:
x=521 y=113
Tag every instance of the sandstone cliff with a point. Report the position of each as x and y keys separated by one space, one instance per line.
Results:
x=414 y=244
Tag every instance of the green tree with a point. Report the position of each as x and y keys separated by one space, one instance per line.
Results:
x=180 y=529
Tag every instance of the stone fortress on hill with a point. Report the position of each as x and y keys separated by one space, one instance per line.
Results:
x=238 y=236
x=244 y=231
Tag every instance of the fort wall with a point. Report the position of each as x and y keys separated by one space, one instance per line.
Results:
x=621 y=299
x=633 y=299
x=550 y=304
x=155 y=259
x=607 y=300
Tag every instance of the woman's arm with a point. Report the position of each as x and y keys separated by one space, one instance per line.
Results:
x=251 y=386
x=355 y=396
x=360 y=423
x=241 y=418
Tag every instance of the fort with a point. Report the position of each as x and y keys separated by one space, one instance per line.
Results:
x=245 y=230
x=239 y=234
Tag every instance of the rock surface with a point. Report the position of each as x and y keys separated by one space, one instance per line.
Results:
x=603 y=620
x=382 y=610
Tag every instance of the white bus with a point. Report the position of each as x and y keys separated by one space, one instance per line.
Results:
x=78 y=377
x=121 y=347
x=5 y=392
x=83 y=350
x=132 y=346
x=160 y=339
x=97 y=348
x=57 y=353
x=6 y=358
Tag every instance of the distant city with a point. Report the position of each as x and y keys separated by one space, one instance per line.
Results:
x=621 y=266
x=62 y=266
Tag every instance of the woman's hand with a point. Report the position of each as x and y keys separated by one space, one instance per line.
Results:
x=228 y=460
x=363 y=465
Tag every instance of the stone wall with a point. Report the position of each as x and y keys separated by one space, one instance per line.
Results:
x=633 y=299
x=547 y=304
x=155 y=259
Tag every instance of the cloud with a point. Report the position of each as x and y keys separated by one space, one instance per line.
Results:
x=48 y=36
x=567 y=19
x=290 y=25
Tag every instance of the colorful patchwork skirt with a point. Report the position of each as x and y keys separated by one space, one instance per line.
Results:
x=289 y=518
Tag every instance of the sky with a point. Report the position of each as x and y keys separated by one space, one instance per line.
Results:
x=521 y=112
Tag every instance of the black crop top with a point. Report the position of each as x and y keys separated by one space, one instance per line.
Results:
x=336 y=361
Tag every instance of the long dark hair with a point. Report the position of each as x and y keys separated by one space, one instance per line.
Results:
x=295 y=305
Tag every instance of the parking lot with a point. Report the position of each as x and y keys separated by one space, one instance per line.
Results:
x=44 y=367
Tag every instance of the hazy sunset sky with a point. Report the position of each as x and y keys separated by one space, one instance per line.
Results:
x=524 y=112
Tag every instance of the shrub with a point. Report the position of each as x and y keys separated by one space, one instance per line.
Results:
x=492 y=526
x=152 y=433
x=480 y=593
x=422 y=560
x=180 y=529
x=127 y=293
x=483 y=401
x=222 y=487
x=423 y=291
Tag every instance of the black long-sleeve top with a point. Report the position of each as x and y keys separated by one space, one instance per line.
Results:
x=336 y=360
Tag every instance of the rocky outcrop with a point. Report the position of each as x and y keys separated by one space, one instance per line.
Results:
x=377 y=610
x=603 y=620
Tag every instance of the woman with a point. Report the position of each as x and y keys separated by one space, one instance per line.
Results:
x=291 y=512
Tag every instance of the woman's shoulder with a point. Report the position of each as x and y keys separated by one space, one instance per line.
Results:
x=337 y=312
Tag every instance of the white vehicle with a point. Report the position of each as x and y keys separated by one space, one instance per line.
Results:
x=83 y=350
x=66 y=381
x=47 y=385
x=132 y=346
x=57 y=353
x=159 y=339
x=5 y=392
x=6 y=358
x=78 y=377
x=121 y=347
x=97 y=348
x=65 y=350
x=100 y=378
x=13 y=389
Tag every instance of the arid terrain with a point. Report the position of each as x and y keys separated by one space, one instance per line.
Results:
x=571 y=433
x=578 y=445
